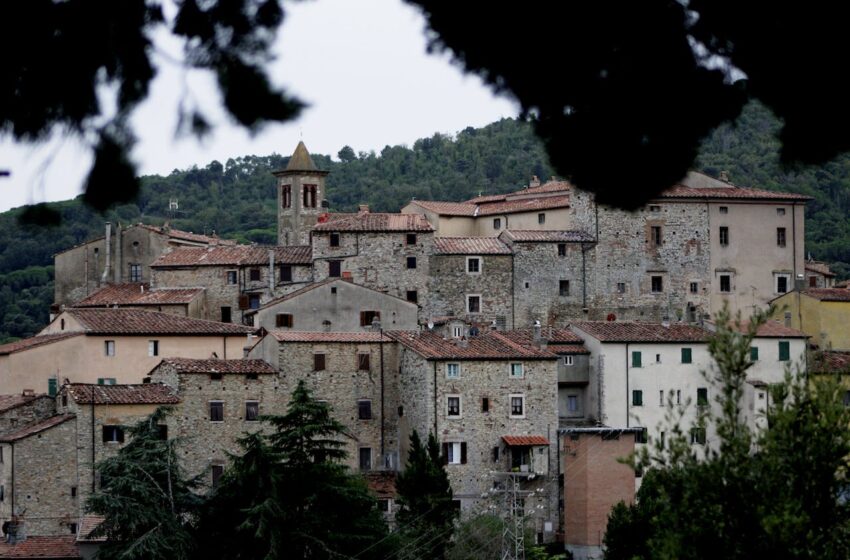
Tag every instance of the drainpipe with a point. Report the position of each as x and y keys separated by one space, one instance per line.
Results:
x=794 y=257
x=381 y=345
x=513 y=291
x=583 y=279
x=93 y=457
x=271 y=273
x=118 y=267
x=435 y=398
x=14 y=489
x=108 y=243
x=627 y=384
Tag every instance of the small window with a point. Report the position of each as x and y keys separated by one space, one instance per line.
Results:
x=473 y=265
x=658 y=358
x=216 y=411
x=109 y=347
x=319 y=362
x=621 y=287
x=678 y=396
x=162 y=432
x=724 y=209
x=725 y=283
x=654 y=208
x=517 y=405
x=364 y=409
x=363 y=362
x=784 y=351
x=225 y=315
x=253 y=301
x=73 y=491
x=637 y=398
x=636 y=359
x=781 y=283
x=62 y=324
x=517 y=370
x=724 y=236
x=694 y=287
x=254 y=275
x=383 y=505
x=252 y=411
x=72 y=528
x=455 y=453
x=106 y=381
x=813 y=281
x=541 y=218
x=412 y=296
x=153 y=348
x=564 y=288
x=686 y=356
x=286 y=273
x=698 y=436
x=485 y=404
x=453 y=406
x=661 y=398
x=754 y=353
x=572 y=403
x=113 y=434
x=334 y=269
x=473 y=304
x=568 y=360
x=411 y=239
x=231 y=277
x=452 y=371
x=367 y=317
x=780 y=237
x=135 y=273
x=702 y=396
x=657 y=284
x=215 y=474
x=252 y=376
x=334 y=241
x=411 y=262
x=562 y=249
x=497 y=223
x=656 y=238
x=780 y=211
x=286 y=196
x=365 y=458
x=283 y=320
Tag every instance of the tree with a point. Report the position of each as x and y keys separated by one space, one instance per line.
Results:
x=346 y=154
x=780 y=493
x=147 y=501
x=426 y=512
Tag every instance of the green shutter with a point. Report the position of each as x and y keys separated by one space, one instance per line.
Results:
x=784 y=351
x=702 y=397
x=51 y=387
x=686 y=355
x=754 y=353
x=635 y=359
x=637 y=398
x=100 y=381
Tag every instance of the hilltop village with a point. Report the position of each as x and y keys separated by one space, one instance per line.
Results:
x=533 y=332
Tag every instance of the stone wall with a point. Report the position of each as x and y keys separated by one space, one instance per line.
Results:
x=450 y=283
x=35 y=410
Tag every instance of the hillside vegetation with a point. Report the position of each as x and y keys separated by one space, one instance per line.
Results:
x=236 y=199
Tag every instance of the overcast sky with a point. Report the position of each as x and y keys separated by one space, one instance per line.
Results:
x=362 y=67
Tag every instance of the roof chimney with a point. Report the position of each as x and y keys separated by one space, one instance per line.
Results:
x=538 y=336
x=363 y=209
x=724 y=176
x=535 y=181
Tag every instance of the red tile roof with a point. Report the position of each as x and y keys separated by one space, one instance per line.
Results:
x=525 y=440
x=490 y=345
x=642 y=332
x=376 y=222
x=831 y=361
x=88 y=523
x=568 y=349
x=548 y=187
x=237 y=255
x=448 y=208
x=730 y=192
x=35 y=428
x=240 y=366
x=542 y=236
x=187 y=235
x=34 y=341
x=470 y=246
x=773 y=329
x=137 y=293
x=523 y=205
x=315 y=336
x=820 y=268
x=100 y=321
x=551 y=334
x=828 y=294
x=57 y=548
x=8 y=402
x=142 y=393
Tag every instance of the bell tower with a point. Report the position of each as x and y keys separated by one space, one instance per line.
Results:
x=300 y=193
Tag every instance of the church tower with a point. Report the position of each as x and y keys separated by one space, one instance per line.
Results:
x=300 y=194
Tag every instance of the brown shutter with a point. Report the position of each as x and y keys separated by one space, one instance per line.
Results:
x=445 y=454
x=244 y=302
x=363 y=319
x=318 y=362
x=463 y=453
x=278 y=320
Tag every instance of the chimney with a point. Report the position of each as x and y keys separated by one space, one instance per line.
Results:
x=118 y=268
x=107 y=267
x=28 y=393
x=271 y=272
x=724 y=176
x=535 y=181
x=363 y=209
x=538 y=335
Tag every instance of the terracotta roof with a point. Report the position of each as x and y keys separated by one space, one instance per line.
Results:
x=548 y=187
x=774 y=329
x=551 y=334
x=542 y=236
x=33 y=341
x=137 y=293
x=59 y=547
x=523 y=205
x=828 y=294
x=316 y=336
x=568 y=349
x=376 y=222
x=89 y=523
x=446 y=208
x=820 y=268
x=382 y=483
x=730 y=192
x=187 y=235
x=490 y=345
x=32 y=429
x=240 y=366
x=142 y=321
x=642 y=332
x=525 y=440
x=831 y=361
x=470 y=246
x=236 y=255
x=312 y=286
x=486 y=198
x=8 y=402
x=142 y=393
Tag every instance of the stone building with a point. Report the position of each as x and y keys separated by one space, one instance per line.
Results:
x=300 y=198
x=18 y=411
x=187 y=302
x=335 y=304
x=123 y=254
x=819 y=275
x=235 y=278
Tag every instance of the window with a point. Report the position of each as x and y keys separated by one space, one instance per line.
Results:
x=661 y=398
x=780 y=211
x=658 y=358
x=655 y=237
x=412 y=296
x=621 y=287
x=106 y=381
x=135 y=273
x=541 y=218
x=678 y=396
x=113 y=434
x=334 y=240
x=702 y=396
x=452 y=371
x=153 y=348
x=283 y=320
x=252 y=411
x=231 y=277
x=309 y=196
x=453 y=406
x=636 y=359
x=109 y=347
x=473 y=304
x=657 y=284
x=473 y=265
x=254 y=301
x=568 y=360
x=215 y=474
x=334 y=269
x=562 y=249
x=216 y=411
x=254 y=275
x=784 y=350
x=73 y=491
x=365 y=458
x=162 y=432
x=455 y=453
x=725 y=283
x=225 y=315
x=497 y=223
x=686 y=356
x=782 y=281
x=485 y=404
x=724 y=236
x=654 y=208
x=564 y=288
x=52 y=386
x=366 y=317
x=517 y=405
x=286 y=196
x=411 y=239
x=383 y=505
x=637 y=398
x=813 y=281
x=517 y=371
x=286 y=273
x=572 y=403
x=411 y=262
x=698 y=436
x=754 y=353
x=318 y=362
x=362 y=361
x=457 y=331
x=724 y=209
x=364 y=409
x=780 y=237
x=694 y=287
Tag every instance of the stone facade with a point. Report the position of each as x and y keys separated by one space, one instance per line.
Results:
x=451 y=283
x=19 y=411
x=300 y=197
